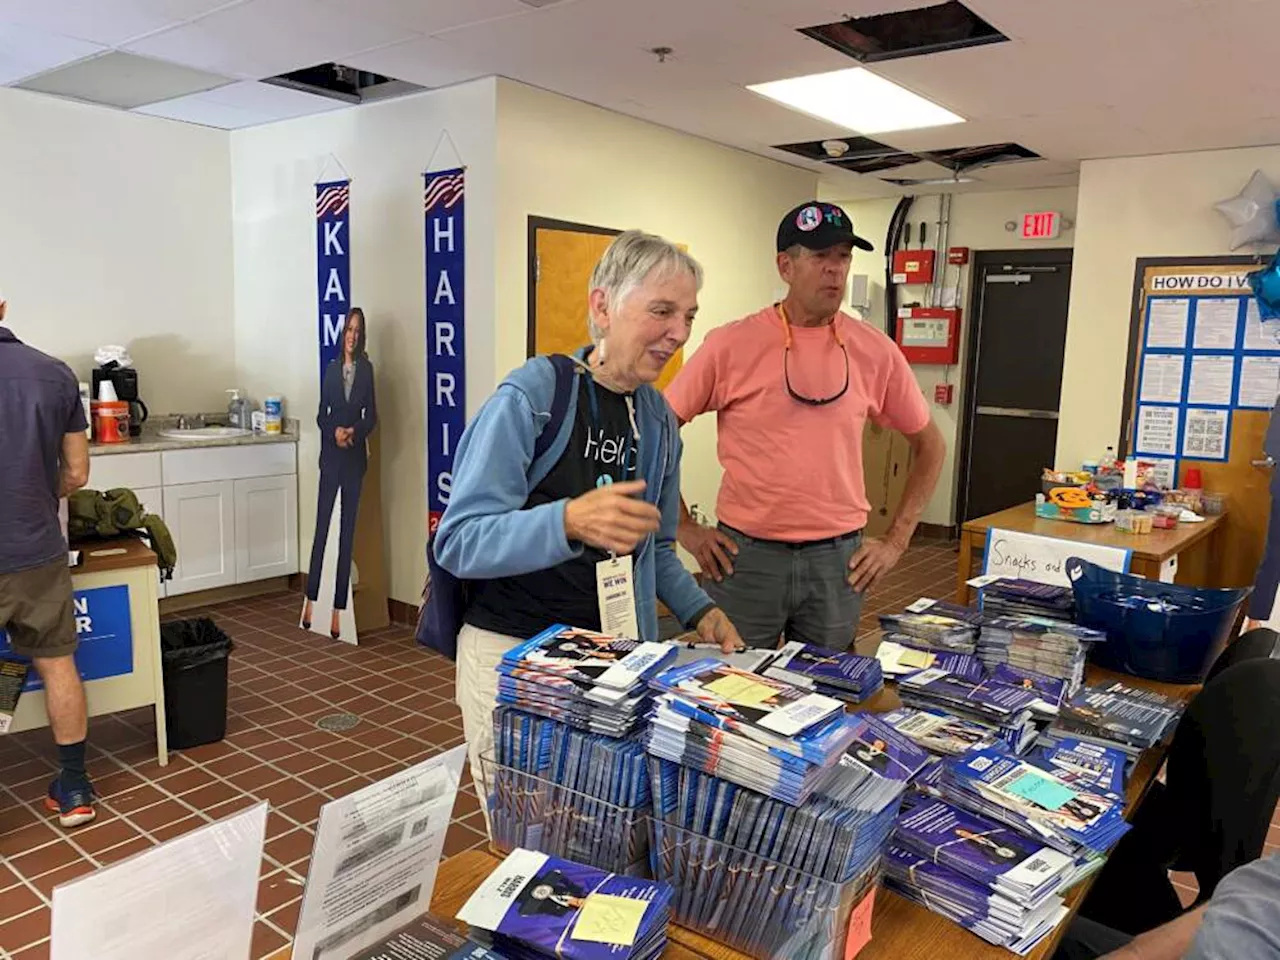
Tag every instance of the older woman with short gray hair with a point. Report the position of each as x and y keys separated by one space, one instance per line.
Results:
x=574 y=462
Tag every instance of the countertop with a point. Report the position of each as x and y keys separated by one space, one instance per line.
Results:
x=151 y=442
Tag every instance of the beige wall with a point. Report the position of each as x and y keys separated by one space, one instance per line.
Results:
x=385 y=147
x=1160 y=206
x=114 y=229
x=977 y=222
x=567 y=160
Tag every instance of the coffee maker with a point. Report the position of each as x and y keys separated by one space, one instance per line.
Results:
x=125 y=381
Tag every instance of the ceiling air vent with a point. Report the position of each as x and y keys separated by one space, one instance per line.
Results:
x=907 y=33
x=338 y=82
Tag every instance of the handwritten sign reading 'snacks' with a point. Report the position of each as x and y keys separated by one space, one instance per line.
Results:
x=1044 y=559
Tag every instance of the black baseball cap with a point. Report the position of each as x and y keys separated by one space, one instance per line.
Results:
x=818 y=225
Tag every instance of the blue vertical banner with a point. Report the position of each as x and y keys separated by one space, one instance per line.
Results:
x=443 y=205
x=333 y=266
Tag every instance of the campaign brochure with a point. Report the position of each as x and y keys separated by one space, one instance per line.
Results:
x=898 y=660
x=757 y=731
x=1049 y=690
x=952 y=895
x=930 y=631
x=592 y=657
x=1042 y=645
x=844 y=676
x=941 y=732
x=998 y=857
x=945 y=608
x=995 y=784
x=573 y=794
x=427 y=938
x=1113 y=714
x=534 y=905
x=1005 y=707
x=1010 y=597
x=1083 y=765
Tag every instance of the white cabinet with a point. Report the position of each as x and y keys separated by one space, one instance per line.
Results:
x=232 y=510
x=201 y=517
x=266 y=510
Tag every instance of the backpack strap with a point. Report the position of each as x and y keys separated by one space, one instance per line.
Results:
x=566 y=370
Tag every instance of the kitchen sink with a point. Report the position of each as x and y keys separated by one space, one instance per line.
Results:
x=205 y=433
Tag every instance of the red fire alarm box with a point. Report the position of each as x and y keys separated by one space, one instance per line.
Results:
x=943 y=394
x=958 y=256
x=929 y=334
x=913 y=266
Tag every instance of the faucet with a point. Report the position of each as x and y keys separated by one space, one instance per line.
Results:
x=192 y=422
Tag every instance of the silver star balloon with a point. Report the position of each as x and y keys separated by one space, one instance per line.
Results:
x=1252 y=213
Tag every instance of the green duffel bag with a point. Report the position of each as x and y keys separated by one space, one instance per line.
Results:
x=95 y=515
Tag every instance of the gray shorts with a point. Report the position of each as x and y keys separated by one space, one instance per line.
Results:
x=800 y=591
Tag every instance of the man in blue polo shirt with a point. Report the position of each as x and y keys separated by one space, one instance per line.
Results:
x=46 y=453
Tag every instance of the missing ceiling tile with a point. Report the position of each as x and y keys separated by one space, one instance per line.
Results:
x=339 y=82
x=986 y=155
x=907 y=33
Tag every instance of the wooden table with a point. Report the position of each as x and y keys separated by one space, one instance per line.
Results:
x=900 y=929
x=118 y=614
x=1194 y=544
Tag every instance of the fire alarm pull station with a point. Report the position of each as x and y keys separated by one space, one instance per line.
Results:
x=958 y=256
x=943 y=394
x=929 y=334
x=913 y=266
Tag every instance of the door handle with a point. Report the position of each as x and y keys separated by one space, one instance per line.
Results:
x=1267 y=461
x=1018 y=412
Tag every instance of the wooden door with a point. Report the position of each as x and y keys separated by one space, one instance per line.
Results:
x=562 y=257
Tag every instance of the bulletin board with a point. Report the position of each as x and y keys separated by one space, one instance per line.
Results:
x=1203 y=376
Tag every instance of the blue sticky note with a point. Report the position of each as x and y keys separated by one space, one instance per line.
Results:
x=1047 y=793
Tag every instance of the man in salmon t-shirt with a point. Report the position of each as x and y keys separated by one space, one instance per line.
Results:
x=793 y=387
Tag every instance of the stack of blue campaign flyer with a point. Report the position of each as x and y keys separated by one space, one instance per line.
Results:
x=1049 y=690
x=930 y=631
x=964 y=901
x=758 y=732
x=941 y=732
x=587 y=679
x=845 y=676
x=1036 y=802
x=1020 y=868
x=563 y=791
x=1036 y=643
x=535 y=906
x=1000 y=705
x=1083 y=765
x=898 y=660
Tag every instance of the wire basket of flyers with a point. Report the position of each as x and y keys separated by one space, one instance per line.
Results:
x=530 y=812
x=758 y=905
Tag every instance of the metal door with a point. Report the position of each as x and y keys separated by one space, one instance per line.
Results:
x=1014 y=379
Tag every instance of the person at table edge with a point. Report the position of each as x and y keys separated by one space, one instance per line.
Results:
x=792 y=387
x=42 y=432
x=529 y=533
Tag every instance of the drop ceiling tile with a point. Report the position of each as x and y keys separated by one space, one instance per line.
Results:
x=25 y=51
x=243 y=104
x=109 y=22
x=122 y=80
x=257 y=39
x=414 y=16
x=429 y=61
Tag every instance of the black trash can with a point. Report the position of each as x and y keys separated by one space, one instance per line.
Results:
x=195 y=654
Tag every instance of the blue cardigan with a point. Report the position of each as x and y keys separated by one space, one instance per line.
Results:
x=486 y=533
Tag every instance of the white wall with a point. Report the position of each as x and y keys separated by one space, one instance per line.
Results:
x=115 y=229
x=1159 y=206
x=567 y=160
x=977 y=222
x=384 y=147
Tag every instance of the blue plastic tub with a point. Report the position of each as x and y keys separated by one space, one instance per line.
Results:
x=1160 y=631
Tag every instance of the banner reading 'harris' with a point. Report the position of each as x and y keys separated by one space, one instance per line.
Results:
x=443 y=206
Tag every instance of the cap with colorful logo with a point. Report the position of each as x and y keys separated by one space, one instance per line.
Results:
x=818 y=226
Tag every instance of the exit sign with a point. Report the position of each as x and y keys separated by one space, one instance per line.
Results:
x=1044 y=225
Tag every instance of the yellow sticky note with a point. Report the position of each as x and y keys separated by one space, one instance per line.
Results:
x=736 y=688
x=915 y=658
x=605 y=918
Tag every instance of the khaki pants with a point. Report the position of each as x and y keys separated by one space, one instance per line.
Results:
x=476 y=690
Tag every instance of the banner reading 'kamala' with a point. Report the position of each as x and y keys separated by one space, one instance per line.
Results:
x=333 y=265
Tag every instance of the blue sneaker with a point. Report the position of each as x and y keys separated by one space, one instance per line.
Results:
x=73 y=807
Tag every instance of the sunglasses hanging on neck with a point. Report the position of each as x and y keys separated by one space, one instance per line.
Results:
x=786 y=371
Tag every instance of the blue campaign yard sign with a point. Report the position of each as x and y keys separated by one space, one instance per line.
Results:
x=105 y=631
